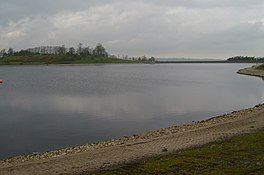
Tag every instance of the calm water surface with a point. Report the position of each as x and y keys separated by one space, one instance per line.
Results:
x=50 y=107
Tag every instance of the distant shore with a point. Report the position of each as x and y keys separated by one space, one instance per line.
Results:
x=88 y=158
x=61 y=60
x=205 y=61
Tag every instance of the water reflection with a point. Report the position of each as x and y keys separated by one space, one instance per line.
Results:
x=49 y=107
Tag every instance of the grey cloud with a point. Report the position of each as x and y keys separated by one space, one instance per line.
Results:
x=172 y=28
x=209 y=3
x=17 y=9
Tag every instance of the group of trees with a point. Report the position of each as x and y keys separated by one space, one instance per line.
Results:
x=140 y=59
x=74 y=53
x=245 y=58
x=3 y=52
x=99 y=50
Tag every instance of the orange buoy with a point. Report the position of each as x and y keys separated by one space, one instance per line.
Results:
x=1 y=81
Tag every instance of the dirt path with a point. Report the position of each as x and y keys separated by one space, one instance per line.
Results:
x=88 y=158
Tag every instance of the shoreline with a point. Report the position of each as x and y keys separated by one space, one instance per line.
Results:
x=132 y=138
x=77 y=64
x=251 y=71
x=118 y=63
x=114 y=152
x=91 y=157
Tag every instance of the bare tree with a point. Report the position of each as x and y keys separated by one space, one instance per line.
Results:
x=152 y=59
x=2 y=53
x=10 y=51
x=79 y=49
x=144 y=58
x=87 y=51
x=99 y=50
x=71 y=51
x=62 y=50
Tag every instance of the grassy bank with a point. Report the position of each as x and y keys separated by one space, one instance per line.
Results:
x=57 y=59
x=261 y=67
x=239 y=155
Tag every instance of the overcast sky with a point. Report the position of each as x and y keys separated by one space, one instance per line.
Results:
x=160 y=28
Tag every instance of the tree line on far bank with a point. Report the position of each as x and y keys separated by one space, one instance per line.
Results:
x=99 y=50
x=62 y=51
x=246 y=58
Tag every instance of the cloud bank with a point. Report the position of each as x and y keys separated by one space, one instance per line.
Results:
x=172 y=28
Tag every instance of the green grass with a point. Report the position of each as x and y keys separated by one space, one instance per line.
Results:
x=57 y=59
x=261 y=67
x=239 y=155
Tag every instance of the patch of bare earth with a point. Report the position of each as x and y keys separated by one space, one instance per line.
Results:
x=88 y=158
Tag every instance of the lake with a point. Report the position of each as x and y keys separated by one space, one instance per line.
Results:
x=50 y=107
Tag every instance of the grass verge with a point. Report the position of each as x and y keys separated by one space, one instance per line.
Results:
x=239 y=155
x=261 y=67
